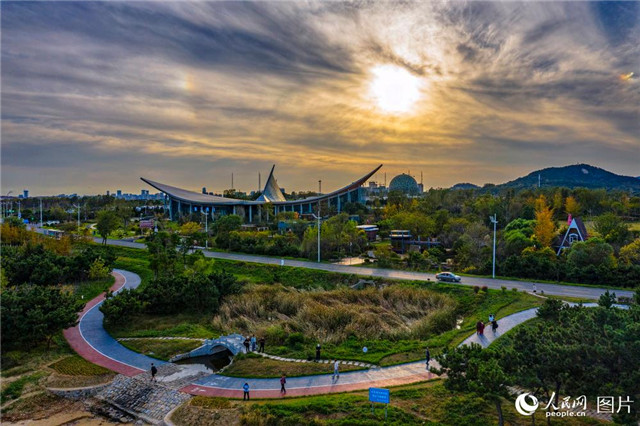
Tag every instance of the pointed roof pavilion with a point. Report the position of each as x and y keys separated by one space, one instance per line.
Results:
x=271 y=191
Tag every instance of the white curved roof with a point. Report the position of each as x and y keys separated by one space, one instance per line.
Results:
x=271 y=193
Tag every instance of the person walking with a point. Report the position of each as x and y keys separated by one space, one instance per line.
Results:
x=154 y=371
x=336 y=370
x=427 y=355
x=481 y=328
x=491 y=317
x=261 y=342
x=478 y=327
x=535 y=288
x=253 y=343
x=246 y=345
x=318 y=352
x=245 y=388
x=494 y=325
x=283 y=381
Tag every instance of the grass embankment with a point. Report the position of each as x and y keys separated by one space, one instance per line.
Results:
x=77 y=366
x=252 y=366
x=90 y=289
x=416 y=404
x=161 y=349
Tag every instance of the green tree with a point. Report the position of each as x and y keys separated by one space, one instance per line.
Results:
x=162 y=247
x=32 y=314
x=470 y=369
x=630 y=254
x=108 y=221
x=612 y=229
x=607 y=299
x=223 y=226
x=593 y=252
x=419 y=224
x=339 y=236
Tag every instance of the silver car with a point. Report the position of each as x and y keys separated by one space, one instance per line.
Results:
x=448 y=277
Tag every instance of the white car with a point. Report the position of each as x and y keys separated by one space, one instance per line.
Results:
x=448 y=276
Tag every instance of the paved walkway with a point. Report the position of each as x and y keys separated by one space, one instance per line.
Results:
x=92 y=342
x=551 y=289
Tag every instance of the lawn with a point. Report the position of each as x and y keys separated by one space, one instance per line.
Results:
x=180 y=325
x=416 y=404
x=90 y=289
x=77 y=366
x=161 y=349
x=252 y=366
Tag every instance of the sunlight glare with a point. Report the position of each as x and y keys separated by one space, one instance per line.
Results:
x=394 y=89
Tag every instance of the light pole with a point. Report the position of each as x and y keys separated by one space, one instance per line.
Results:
x=318 y=218
x=19 y=211
x=40 y=212
x=78 y=207
x=495 y=222
x=206 y=227
x=7 y=213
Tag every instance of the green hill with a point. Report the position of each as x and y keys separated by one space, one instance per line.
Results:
x=578 y=175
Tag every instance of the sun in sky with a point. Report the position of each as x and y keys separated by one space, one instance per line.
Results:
x=394 y=89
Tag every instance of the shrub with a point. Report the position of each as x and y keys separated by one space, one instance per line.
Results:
x=98 y=270
x=476 y=289
x=504 y=289
x=295 y=339
x=484 y=288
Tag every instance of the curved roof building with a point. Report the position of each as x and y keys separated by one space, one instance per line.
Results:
x=183 y=202
x=404 y=183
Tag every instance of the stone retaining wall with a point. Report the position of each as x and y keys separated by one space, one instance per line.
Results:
x=78 y=393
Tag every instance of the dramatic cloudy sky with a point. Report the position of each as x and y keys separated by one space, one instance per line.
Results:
x=95 y=95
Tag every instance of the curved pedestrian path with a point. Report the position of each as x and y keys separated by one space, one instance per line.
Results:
x=92 y=342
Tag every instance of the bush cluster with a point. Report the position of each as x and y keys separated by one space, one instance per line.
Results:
x=34 y=264
x=199 y=293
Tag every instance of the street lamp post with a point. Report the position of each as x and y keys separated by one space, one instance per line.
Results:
x=206 y=227
x=78 y=207
x=40 y=212
x=495 y=222
x=318 y=219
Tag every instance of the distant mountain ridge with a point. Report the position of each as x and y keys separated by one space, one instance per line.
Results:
x=465 y=185
x=578 y=175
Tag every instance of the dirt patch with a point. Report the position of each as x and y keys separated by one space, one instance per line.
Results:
x=39 y=407
x=63 y=381
x=197 y=416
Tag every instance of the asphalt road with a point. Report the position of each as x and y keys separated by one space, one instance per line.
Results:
x=550 y=289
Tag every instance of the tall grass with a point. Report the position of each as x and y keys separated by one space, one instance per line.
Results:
x=397 y=312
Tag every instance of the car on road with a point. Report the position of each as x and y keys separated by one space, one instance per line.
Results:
x=448 y=276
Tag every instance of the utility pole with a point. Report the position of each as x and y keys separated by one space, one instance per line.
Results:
x=78 y=207
x=319 y=216
x=41 y=213
x=19 y=211
x=495 y=222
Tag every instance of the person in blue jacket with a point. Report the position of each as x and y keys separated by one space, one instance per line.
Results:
x=245 y=388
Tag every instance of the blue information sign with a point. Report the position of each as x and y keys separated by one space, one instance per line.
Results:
x=379 y=395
